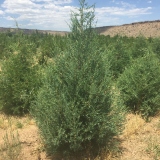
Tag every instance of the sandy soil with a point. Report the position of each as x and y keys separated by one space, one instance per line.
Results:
x=140 y=140
x=29 y=140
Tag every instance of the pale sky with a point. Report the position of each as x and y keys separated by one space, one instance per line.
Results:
x=55 y=14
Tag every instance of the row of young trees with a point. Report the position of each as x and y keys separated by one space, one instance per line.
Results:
x=78 y=87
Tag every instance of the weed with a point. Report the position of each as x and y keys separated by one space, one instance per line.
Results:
x=19 y=125
x=10 y=150
x=153 y=148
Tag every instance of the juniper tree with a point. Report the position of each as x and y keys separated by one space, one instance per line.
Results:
x=74 y=108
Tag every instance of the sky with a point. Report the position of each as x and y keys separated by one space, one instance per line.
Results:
x=55 y=14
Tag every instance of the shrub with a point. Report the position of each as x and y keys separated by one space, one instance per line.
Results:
x=118 y=56
x=74 y=108
x=156 y=46
x=18 y=82
x=140 y=85
x=139 y=47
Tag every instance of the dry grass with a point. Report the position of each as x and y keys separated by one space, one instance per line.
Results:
x=133 y=125
x=14 y=122
x=140 y=140
x=19 y=139
x=11 y=147
x=153 y=147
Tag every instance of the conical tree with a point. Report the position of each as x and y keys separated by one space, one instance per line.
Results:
x=74 y=108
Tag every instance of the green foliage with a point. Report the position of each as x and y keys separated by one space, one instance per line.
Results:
x=156 y=46
x=78 y=107
x=140 y=47
x=140 y=85
x=51 y=46
x=74 y=109
x=18 y=82
x=119 y=56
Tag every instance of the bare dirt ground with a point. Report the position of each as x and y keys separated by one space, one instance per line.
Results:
x=20 y=139
x=28 y=139
x=146 y=29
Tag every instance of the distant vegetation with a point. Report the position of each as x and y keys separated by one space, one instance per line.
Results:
x=78 y=87
x=146 y=29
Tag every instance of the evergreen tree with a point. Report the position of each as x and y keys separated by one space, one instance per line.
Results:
x=74 y=108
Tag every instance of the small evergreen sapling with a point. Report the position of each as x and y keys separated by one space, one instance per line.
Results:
x=74 y=108
x=140 y=85
x=18 y=82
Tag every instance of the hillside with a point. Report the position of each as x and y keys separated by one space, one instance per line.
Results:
x=30 y=31
x=146 y=28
